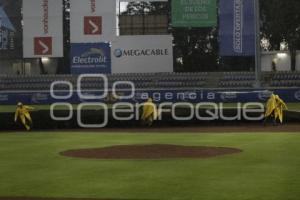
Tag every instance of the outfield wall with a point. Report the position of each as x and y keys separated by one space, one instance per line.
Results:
x=42 y=119
x=158 y=95
x=90 y=115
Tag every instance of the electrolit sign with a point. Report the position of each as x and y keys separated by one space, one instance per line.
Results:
x=90 y=58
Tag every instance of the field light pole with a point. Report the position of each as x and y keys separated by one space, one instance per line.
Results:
x=257 y=46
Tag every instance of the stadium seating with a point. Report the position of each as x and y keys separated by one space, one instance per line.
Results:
x=140 y=80
x=285 y=79
x=237 y=79
x=153 y=80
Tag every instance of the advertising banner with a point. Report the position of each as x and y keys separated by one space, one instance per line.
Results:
x=194 y=13
x=159 y=95
x=10 y=29
x=43 y=28
x=142 y=54
x=89 y=58
x=92 y=20
x=237 y=28
x=143 y=1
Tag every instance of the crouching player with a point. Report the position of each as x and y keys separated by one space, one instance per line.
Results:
x=22 y=112
x=274 y=109
x=280 y=107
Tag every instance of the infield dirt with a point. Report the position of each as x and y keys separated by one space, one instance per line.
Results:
x=153 y=151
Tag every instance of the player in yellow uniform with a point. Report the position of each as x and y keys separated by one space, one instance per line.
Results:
x=274 y=109
x=270 y=109
x=149 y=112
x=22 y=112
x=280 y=107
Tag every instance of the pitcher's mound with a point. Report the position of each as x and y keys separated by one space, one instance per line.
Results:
x=153 y=151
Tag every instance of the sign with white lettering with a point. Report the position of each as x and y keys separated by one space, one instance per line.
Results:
x=43 y=28
x=194 y=13
x=237 y=28
x=10 y=29
x=92 y=20
x=89 y=58
x=145 y=0
x=142 y=54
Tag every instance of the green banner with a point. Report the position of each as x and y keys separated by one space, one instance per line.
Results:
x=194 y=13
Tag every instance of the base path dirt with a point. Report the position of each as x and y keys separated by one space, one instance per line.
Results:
x=153 y=151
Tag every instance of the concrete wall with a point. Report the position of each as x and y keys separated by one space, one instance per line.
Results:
x=298 y=61
x=282 y=59
x=27 y=66
x=10 y=66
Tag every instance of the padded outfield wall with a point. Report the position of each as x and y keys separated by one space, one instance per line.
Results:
x=158 y=95
x=95 y=114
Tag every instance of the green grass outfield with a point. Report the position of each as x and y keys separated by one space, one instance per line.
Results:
x=267 y=169
x=12 y=108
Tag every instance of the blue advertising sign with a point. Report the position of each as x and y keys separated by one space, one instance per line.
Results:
x=87 y=58
x=158 y=96
x=237 y=27
x=10 y=29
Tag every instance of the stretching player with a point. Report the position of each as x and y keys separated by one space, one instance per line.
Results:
x=22 y=112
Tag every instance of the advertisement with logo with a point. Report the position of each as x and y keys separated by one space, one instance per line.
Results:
x=43 y=28
x=158 y=96
x=142 y=54
x=237 y=28
x=228 y=96
x=196 y=13
x=4 y=97
x=145 y=0
x=10 y=29
x=39 y=97
x=92 y=21
x=297 y=95
x=264 y=95
x=90 y=58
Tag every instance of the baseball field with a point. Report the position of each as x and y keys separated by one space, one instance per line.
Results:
x=265 y=167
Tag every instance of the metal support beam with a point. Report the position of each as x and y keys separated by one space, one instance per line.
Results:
x=257 y=46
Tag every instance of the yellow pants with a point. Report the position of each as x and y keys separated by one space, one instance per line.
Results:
x=26 y=120
x=148 y=121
